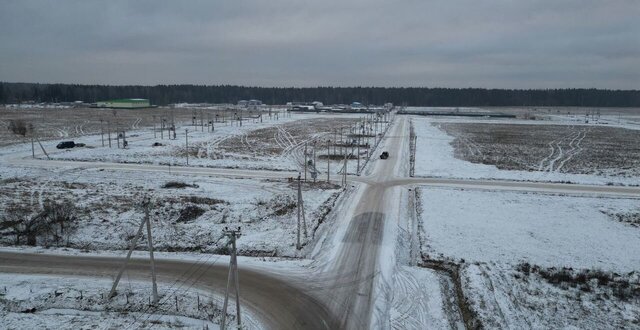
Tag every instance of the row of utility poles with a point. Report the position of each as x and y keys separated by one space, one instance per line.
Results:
x=232 y=278
x=347 y=144
x=121 y=136
x=369 y=127
x=166 y=123
x=232 y=234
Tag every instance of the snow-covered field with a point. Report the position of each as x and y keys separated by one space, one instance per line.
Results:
x=109 y=209
x=435 y=156
x=49 y=302
x=491 y=235
x=508 y=298
x=513 y=227
x=258 y=144
x=109 y=202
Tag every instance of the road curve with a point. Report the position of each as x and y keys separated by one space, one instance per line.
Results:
x=277 y=303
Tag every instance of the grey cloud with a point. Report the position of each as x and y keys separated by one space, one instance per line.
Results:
x=497 y=43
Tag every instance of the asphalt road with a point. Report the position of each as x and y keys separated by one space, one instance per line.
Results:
x=276 y=302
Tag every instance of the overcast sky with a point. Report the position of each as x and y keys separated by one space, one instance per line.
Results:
x=496 y=44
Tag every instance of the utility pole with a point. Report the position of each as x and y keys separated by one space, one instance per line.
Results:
x=305 y=162
x=300 y=209
x=358 y=164
x=33 y=149
x=315 y=169
x=328 y=158
x=335 y=139
x=155 y=134
x=102 y=132
x=186 y=141
x=150 y=244
x=109 y=133
x=41 y=147
x=344 y=171
x=133 y=245
x=233 y=273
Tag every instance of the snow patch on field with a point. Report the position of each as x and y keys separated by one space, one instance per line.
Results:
x=109 y=209
x=549 y=230
x=504 y=298
x=435 y=158
x=35 y=301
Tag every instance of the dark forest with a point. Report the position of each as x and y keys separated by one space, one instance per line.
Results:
x=410 y=96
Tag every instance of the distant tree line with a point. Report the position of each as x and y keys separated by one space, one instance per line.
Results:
x=411 y=96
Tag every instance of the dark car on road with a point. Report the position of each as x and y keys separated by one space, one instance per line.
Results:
x=66 y=145
x=384 y=155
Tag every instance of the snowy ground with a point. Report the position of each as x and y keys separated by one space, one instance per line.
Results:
x=492 y=234
x=109 y=209
x=507 y=298
x=435 y=156
x=34 y=301
x=258 y=144
x=513 y=227
x=109 y=201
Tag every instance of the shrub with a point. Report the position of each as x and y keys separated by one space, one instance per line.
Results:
x=178 y=185
x=189 y=213
x=19 y=127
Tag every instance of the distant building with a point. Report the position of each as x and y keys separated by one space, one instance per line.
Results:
x=317 y=105
x=124 y=104
x=251 y=104
x=357 y=106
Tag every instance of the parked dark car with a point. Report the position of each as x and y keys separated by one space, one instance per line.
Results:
x=66 y=145
x=384 y=155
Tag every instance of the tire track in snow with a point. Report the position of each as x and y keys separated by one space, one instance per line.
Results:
x=556 y=149
x=577 y=148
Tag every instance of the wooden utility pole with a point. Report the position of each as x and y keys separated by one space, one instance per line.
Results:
x=152 y=260
x=328 y=158
x=33 y=150
x=144 y=221
x=300 y=209
x=233 y=273
x=41 y=147
x=305 y=162
x=358 y=164
x=315 y=169
x=109 y=133
x=102 y=132
x=344 y=171
x=335 y=139
x=186 y=141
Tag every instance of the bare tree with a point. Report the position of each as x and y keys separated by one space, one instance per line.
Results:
x=28 y=224
x=60 y=215
x=15 y=220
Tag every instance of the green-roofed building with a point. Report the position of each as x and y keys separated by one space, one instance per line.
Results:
x=124 y=103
